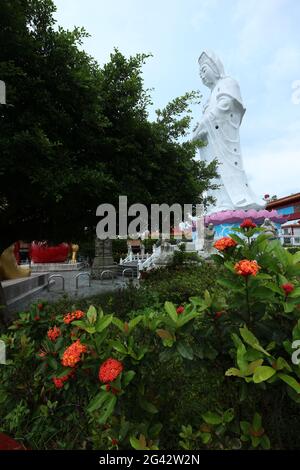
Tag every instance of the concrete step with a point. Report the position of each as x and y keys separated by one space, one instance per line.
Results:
x=18 y=290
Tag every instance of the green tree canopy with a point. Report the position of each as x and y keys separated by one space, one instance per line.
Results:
x=75 y=135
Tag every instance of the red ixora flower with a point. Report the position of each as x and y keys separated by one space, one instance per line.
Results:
x=110 y=370
x=54 y=333
x=248 y=223
x=69 y=317
x=60 y=381
x=288 y=288
x=180 y=309
x=247 y=267
x=40 y=307
x=219 y=314
x=72 y=354
x=224 y=243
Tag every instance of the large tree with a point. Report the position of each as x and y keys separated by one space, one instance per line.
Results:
x=75 y=135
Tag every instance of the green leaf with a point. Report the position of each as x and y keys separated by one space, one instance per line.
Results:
x=127 y=377
x=134 y=322
x=103 y=323
x=212 y=418
x=63 y=373
x=233 y=372
x=118 y=346
x=282 y=364
x=107 y=408
x=183 y=319
x=288 y=307
x=295 y=293
x=263 y=373
x=240 y=358
x=53 y=362
x=92 y=315
x=185 y=350
x=232 y=285
x=237 y=239
x=250 y=339
x=205 y=437
x=147 y=406
x=256 y=422
x=84 y=326
x=230 y=266
x=97 y=401
x=290 y=381
x=207 y=298
x=228 y=415
x=171 y=311
x=255 y=441
x=138 y=444
x=265 y=442
x=245 y=427
x=118 y=323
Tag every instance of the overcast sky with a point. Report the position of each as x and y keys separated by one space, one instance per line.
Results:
x=257 y=40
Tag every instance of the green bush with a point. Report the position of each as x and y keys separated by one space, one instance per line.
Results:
x=292 y=249
x=212 y=370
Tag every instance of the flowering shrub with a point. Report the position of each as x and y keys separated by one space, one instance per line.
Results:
x=134 y=382
x=224 y=243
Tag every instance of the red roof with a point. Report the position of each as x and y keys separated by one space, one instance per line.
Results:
x=284 y=201
x=294 y=216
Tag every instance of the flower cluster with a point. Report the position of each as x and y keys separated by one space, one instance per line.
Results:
x=288 y=288
x=69 y=317
x=224 y=243
x=42 y=354
x=110 y=370
x=248 y=223
x=246 y=267
x=180 y=310
x=219 y=314
x=60 y=381
x=54 y=333
x=72 y=354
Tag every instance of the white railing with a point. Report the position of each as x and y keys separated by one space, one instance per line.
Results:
x=151 y=260
x=134 y=257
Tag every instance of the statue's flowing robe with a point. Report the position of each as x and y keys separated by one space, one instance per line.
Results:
x=222 y=117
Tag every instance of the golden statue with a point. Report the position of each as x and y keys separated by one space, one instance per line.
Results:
x=75 y=249
x=9 y=268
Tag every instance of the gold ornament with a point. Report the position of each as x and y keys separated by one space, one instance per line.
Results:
x=75 y=249
x=9 y=268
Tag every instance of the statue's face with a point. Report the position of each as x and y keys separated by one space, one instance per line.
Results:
x=207 y=75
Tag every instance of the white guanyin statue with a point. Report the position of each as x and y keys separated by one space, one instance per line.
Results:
x=219 y=129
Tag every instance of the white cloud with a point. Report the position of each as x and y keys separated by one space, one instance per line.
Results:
x=274 y=168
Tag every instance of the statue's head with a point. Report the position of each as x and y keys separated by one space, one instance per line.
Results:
x=210 y=68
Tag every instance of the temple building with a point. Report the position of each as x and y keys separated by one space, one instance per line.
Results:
x=288 y=206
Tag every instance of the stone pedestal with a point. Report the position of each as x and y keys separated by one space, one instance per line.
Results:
x=103 y=260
